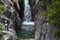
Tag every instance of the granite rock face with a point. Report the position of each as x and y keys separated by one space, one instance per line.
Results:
x=8 y=19
x=44 y=30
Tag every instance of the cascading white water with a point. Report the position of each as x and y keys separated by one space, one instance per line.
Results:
x=27 y=14
x=27 y=25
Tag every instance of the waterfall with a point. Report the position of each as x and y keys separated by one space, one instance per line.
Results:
x=27 y=14
x=27 y=24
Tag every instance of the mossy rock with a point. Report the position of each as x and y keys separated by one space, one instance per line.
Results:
x=43 y=13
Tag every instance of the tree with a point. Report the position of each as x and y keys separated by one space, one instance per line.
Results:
x=54 y=15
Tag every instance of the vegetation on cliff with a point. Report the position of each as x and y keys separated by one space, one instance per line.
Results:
x=2 y=9
x=54 y=14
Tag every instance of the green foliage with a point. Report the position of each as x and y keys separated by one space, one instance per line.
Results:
x=2 y=9
x=54 y=12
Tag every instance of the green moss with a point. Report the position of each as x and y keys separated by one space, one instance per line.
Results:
x=43 y=13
